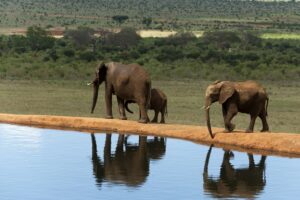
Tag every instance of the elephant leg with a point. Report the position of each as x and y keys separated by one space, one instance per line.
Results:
x=252 y=122
x=163 y=111
x=231 y=111
x=262 y=161
x=162 y=120
x=143 y=116
x=155 y=118
x=121 y=140
x=224 y=112
x=265 y=125
x=121 y=109
x=107 y=147
x=108 y=101
x=251 y=160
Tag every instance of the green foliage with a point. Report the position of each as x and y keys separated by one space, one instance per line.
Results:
x=87 y=56
x=38 y=38
x=82 y=37
x=69 y=52
x=167 y=14
x=126 y=38
x=120 y=18
x=182 y=56
x=147 y=21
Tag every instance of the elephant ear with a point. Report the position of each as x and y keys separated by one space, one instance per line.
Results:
x=101 y=70
x=227 y=90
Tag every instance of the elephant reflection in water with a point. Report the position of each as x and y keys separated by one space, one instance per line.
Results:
x=129 y=164
x=241 y=182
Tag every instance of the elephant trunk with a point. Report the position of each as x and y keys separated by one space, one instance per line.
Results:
x=95 y=95
x=207 y=107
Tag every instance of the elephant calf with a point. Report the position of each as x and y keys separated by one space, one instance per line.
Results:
x=158 y=103
x=245 y=97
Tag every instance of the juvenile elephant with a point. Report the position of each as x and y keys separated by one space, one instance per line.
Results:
x=245 y=97
x=127 y=82
x=158 y=103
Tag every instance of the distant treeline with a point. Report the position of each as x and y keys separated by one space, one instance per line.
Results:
x=216 y=55
x=154 y=14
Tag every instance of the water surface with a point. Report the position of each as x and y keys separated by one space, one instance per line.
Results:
x=53 y=164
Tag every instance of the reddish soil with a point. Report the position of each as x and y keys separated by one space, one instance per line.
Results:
x=284 y=144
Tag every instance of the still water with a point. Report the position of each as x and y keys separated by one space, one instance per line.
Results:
x=52 y=164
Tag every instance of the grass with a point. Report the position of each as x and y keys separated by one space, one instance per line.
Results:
x=185 y=99
x=292 y=36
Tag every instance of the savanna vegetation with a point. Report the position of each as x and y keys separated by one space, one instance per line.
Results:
x=43 y=75
x=233 y=55
x=155 y=14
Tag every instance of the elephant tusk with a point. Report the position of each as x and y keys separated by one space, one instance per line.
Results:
x=88 y=84
x=207 y=107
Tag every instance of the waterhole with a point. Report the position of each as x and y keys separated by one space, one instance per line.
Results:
x=54 y=164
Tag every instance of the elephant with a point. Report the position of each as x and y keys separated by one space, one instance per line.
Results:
x=129 y=164
x=158 y=103
x=245 y=97
x=239 y=183
x=127 y=82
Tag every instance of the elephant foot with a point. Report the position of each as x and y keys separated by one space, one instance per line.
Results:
x=229 y=128
x=143 y=121
x=109 y=117
x=249 y=131
x=162 y=122
x=154 y=121
x=264 y=130
x=123 y=118
x=226 y=131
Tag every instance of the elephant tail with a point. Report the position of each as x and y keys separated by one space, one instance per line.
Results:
x=126 y=106
x=267 y=104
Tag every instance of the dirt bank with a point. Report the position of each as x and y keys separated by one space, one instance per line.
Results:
x=285 y=144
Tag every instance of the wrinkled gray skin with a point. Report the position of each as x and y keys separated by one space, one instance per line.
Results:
x=158 y=103
x=245 y=97
x=127 y=82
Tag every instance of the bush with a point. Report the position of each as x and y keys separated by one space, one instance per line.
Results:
x=69 y=52
x=87 y=56
x=169 y=53
x=38 y=38
x=82 y=37
x=126 y=38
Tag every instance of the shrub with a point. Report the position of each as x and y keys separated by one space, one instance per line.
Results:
x=126 y=38
x=38 y=38
x=87 y=56
x=69 y=52
x=82 y=37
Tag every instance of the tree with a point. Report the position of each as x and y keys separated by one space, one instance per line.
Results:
x=38 y=38
x=120 y=19
x=147 y=21
x=82 y=37
x=126 y=38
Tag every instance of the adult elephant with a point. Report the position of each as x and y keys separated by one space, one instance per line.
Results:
x=129 y=163
x=158 y=103
x=245 y=97
x=245 y=182
x=127 y=82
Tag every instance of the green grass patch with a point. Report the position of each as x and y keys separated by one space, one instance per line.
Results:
x=287 y=36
